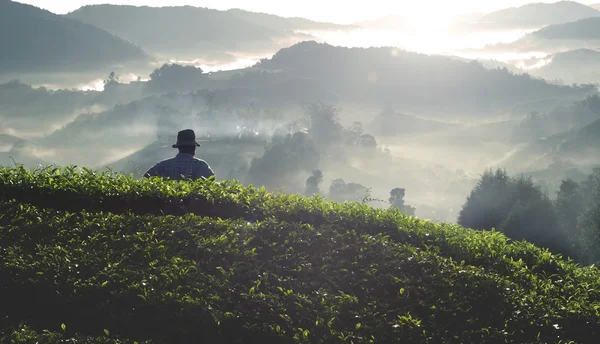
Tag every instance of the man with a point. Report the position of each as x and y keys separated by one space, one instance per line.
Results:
x=184 y=165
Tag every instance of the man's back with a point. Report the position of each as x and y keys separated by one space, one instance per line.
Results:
x=182 y=166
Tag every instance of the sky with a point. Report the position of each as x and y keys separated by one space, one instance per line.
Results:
x=337 y=11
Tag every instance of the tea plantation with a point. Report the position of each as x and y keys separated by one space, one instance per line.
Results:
x=90 y=257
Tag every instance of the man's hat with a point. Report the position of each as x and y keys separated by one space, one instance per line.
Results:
x=186 y=138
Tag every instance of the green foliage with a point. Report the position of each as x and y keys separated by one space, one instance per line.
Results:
x=89 y=255
x=516 y=207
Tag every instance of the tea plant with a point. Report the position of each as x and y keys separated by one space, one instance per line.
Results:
x=196 y=279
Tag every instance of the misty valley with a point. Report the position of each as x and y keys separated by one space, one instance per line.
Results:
x=373 y=181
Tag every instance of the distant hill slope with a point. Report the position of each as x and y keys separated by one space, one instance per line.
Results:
x=580 y=34
x=578 y=146
x=583 y=29
x=188 y=30
x=33 y=39
x=576 y=66
x=414 y=81
x=391 y=123
x=538 y=14
x=596 y=6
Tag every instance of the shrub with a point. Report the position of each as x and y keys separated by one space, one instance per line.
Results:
x=308 y=271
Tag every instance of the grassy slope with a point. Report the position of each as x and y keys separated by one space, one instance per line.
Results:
x=256 y=267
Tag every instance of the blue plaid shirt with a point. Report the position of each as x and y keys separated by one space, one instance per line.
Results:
x=182 y=166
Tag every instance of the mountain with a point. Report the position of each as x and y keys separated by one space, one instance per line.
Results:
x=580 y=34
x=577 y=146
x=177 y=30
x=192 y=32
x=579 y=66
x=35 y=40
x=584 y=29
x=537 y=15
x=595 y=6
x=414 y=81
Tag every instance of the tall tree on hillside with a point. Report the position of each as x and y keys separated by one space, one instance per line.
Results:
x=516 y=207
x=397 y=201
x=325 y=126
x=313 y=183
x=569 y=205
x=589 y=220
x=488 y=203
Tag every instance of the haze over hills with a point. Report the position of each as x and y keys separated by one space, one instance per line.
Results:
x=409 y=137
x=575 y=66
x=416 y=81
x=581 y=34
x=187 y=32
x=537 y=15
x=36 y=40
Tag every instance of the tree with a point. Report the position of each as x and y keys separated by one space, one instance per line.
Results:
x=340 y=191
x=283 y=160
x=397 y=201
x=111 y=81
x=488 y=204
x=515 y=207
x=325 y=126
x=569 y=205
x=313 y=182
x=173 y=77
x=589 y=220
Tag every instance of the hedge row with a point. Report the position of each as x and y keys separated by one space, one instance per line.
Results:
x=75 y=190
x=195 y=279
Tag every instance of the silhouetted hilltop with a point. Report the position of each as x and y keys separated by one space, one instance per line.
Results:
x=538 y=15
x=191 y=30
x=33 y=39
x=427 y=82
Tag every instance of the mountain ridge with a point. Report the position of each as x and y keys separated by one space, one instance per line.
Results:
x=39 y=40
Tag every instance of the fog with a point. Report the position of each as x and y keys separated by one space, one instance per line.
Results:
x=425 y=109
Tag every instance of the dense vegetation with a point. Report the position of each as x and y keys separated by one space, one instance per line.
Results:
x=96 y=257
x=33 y=39
x=569 y=225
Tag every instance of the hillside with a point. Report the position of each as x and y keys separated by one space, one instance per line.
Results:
x=584 y=29
x=194 y=32
x=391 y=123
x=578 y=146
x=580 y=34
x=36 y=40
x=579 y=66
x=537 y=15
x=414 y=81
x=250 y=266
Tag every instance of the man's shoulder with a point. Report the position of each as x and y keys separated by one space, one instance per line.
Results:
x=200 y=161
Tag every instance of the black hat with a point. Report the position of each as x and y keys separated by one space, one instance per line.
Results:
x=186 y=138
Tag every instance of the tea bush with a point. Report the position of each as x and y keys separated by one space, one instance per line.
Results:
x=275 y=269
